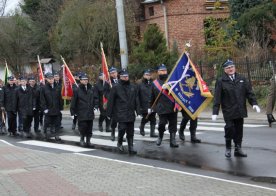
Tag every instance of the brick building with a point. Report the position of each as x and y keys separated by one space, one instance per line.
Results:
x=181 y=20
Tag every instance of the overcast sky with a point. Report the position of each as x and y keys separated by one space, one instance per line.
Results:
x=11 y=5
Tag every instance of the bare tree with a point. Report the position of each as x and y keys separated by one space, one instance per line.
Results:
x=3 y=4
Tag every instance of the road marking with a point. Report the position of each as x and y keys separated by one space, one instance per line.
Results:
x=56 y=146
x=6 y=142
x=176 y=171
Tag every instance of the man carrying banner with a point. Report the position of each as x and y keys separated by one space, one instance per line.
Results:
x=165 y=107
x=84 y=101
x=3 y=116
x=75 y=86
x=121 y=107
x=144 y=93
x=231 y=92
x=107 y=88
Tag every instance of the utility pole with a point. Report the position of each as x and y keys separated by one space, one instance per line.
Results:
x=122 y=33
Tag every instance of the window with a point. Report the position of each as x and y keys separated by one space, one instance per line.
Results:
x=151 y=11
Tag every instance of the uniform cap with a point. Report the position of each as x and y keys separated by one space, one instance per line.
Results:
x=228 y=63
x=123 y=72
x=162 y=67
x=83 y=76
x=112 y=69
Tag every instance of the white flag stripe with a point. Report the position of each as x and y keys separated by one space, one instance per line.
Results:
x=55 y=146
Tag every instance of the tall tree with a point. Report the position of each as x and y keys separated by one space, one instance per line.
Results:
x=3 y=4
x=238 y=7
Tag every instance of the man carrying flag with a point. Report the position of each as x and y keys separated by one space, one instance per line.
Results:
x=165 y=106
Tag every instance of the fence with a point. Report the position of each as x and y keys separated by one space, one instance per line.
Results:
x=256 y=71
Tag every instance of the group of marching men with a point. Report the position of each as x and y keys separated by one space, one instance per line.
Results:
x=23 y=101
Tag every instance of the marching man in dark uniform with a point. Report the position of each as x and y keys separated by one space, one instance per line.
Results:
x=144 y=93
x=58 y=84
x=165 y=107
x=122 y=104
x=25 y=104
x=10 y=105
x=114 y=81
x=51 y=104
x=231 y=92
x=36 y=91
x=83 y=103
x=100 y=90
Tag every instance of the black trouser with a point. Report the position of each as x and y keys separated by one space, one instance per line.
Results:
x=36 y=120
x=164 y=119
x=20 y=122
x=103 y=118
x=234 y=130
x=12 y=122
x=125 y=127
x=27 y=123
x=75 y=120
x=60 y=119
x=113 y=124
x=85 y=127
x=151 y=118
x=52 y=121
x=193 y=124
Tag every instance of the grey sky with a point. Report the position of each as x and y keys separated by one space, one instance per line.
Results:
x=11 y=5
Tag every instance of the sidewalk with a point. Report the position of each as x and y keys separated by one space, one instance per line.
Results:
x=29 y=172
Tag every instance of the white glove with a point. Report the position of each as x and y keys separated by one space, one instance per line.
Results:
x=73 y=117
x=214 y=117
x=257 y=108
x=164 y=86
x=149 y=110
x=46 y=111
x=34 y=108
x=96 y=109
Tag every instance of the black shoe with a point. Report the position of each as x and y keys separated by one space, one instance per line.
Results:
x=270 y=119
x=131 y=150
x=152 y=131
x=173 y=143
x=159 y=139
x=142 y=129
x=28 y=135
x=181 y=135
x=101 y=128
x=113 y=135
x=82 y=143
x=88 y=143
x=73 y=126
x=57 y=139
x=228 y=153
x=120 y=147
x=239 y=153
x=195 y=140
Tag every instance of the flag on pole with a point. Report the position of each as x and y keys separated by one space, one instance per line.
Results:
x=68 y=81
x=40 y=71
x=106 y=77
x=188 y=88
x=7 y=73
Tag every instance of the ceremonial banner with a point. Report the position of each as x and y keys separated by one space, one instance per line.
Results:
x=187 y=87
x=40 y=72
x=68 y=81
x=106 y=77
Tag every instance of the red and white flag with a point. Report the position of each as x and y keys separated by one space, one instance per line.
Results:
x=106 y=77
x=68 y=81
x=40 y=71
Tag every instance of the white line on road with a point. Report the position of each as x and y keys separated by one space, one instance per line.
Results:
x=181 y=172
x=55 y=146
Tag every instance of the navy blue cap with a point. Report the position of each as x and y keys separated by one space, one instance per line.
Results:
x=49 y=75
x=112 y=69
x=10 y=78
x=147 y=71
x=228 y=63
x=56 y=73
x=22 y=78
x=162 y=67
x=123 y=72
x=83 y=76
x=31 y=78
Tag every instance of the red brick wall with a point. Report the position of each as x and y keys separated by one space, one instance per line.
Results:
x=185 y=20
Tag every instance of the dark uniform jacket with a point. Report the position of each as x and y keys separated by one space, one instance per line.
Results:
x=25 y=101
x=144 y=93
x=100 y=91
x=36 y=92
x=50 y=98
x=164 y=105
x=10 y=98
x=232 y=95
x=123 y=102
x=83 y=102
x=107 y=88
